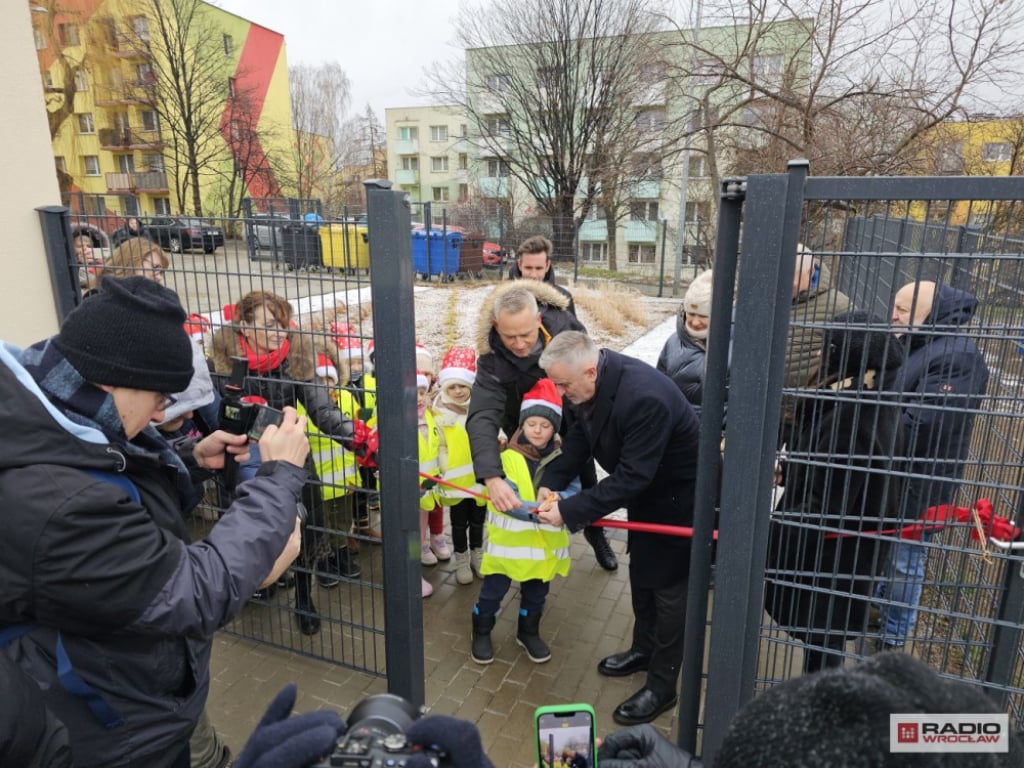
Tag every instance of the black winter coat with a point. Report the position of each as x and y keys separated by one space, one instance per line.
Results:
x=135 y=601
x=941 y=383
x=644 y=433
x=549 y=279
x=683 y=359
x=502 y=378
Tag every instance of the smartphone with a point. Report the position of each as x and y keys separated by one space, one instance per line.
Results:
x=566 y=736
x=265 y=416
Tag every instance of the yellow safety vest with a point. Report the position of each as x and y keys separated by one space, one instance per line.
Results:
x=428 y=451
x=516 y=548
x=335 y=466
x=456 y=465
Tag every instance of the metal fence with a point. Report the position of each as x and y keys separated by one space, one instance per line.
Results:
x=798 y=567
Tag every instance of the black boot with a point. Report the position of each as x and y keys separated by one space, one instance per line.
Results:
x=339 y=563
x=483 y=652
x=528 y=636
x=309 y=620
x=602 y=549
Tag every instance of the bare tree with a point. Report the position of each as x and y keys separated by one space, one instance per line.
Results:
x=545 y=83
x=188 y=82
x=361 y=155
x=320 y=99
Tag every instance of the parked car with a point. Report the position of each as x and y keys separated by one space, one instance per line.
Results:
x=183 y=234
x=494 y=255
x=263 y=230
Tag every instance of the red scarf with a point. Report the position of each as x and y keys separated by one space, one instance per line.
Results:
x=267 y=361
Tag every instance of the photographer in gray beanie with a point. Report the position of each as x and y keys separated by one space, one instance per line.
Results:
x=108 y=606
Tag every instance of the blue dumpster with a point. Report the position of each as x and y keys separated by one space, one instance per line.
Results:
x=440 y=259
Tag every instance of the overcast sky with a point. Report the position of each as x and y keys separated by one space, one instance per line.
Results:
x=383 y=45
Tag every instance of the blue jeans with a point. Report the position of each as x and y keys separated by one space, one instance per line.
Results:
x=904 y=586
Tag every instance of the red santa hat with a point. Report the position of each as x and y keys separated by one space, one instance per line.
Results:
x=197 y=326
x=348 y=343
x=325 y=368
x=458 y=367
x=422 y=382
x=542 y=400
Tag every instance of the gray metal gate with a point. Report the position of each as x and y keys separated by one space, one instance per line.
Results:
x=869 y=236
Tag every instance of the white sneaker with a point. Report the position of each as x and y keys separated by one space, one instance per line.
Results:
x=426 y=590
x=439 y=546
x=427 y=556
x=476 y=559
x=463 y=571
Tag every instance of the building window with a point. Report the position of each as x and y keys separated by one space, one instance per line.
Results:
x=463 y=161
x=496 y=167
x=154 y=161
x=643 y=210
x=641 y=254
x=229 y=45
x=766 y=67
x=91 y=163
x=126 y=163
x=440 y=194
x=645 y=166
x=231 y=88
x=463 y=192
x=439 y=164
x=68 y=35
x=85 y=124
x=150 y=120
x=140 y=26
x=462 y=130
x=48 y=80
x=81 y=81
x=37 y=35
x=498 y=83
x=549 y=77
x=698 y=166
x=61 y=163
x=236 y=130
x=498 y=126
x=144 y=73
x=410 y=163
x=707 y=72
x=594 y=251
x=439 y=133
x=697 y=212
x=949 y=158
x=162 y=206
x=408 y=133
x=650 y=121
x=996 y=152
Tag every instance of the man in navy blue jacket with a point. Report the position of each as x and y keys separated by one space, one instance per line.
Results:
x=636 y=423
x=940 y=386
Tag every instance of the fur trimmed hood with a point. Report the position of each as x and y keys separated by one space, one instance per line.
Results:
x=301 y=355
x=546 y=296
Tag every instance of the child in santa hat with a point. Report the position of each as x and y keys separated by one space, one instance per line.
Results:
x=455 y=462
x=429 y=441
x=434 y=546
x=519 y=549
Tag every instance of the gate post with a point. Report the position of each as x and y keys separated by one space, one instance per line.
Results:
x=764 y=294
x=394 y=331
x=53 y=219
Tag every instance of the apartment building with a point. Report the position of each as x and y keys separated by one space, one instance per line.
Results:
x=100 y=64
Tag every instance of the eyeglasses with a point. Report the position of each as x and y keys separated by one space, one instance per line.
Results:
x=165 y=402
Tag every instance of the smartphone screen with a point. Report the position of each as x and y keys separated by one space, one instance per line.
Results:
x=264 y=418
x=565 y=739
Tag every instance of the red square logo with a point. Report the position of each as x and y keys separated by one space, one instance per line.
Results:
x=906 y=733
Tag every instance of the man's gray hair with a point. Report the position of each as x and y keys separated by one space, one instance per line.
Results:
x=572 y=348
x=515 y=300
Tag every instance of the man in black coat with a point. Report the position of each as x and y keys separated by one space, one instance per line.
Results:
x=637 y=425
x=517 y=321
x=940 y=384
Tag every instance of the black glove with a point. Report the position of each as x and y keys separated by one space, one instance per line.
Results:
x=641 y=746
x=459 y=738
x=280 y=741
x=428 y=485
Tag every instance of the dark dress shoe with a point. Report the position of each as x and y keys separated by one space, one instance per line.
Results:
x=622 y=664
x=643 y=707
x=602 y=549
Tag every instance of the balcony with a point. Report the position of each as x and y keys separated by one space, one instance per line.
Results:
x=494 y=186
x=593 y=231
x=125 y=94
x=128 y=140
x=645 y=189
x=407 y=147
x=642 y=232
x=407 y=178
x=147 y=182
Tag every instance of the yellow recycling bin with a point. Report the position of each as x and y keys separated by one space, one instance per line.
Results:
x=345 y=246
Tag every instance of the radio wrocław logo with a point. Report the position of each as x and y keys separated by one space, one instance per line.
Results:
x=949 y=733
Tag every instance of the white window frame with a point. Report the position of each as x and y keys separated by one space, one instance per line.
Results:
x=161 y=206
x=439 y=194
x=150 y=119
x=497 y=168
x=643 y=210
x=588 y=249
x=85 y=123
x=641 y=253
x=410 y=163
x=996 y=151
x=91 y=164
x=81 y=80
x=408 y=133
x=229 y=45
x=439 y=133
x=439 y=164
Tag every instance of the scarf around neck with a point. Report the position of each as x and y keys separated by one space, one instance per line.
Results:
x=264 y=362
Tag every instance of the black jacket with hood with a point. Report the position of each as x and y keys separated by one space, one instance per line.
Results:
x=549 y=279
x=134 y=600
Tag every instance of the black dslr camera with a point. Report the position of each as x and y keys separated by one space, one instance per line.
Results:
x=376 y=736
x=239 y=417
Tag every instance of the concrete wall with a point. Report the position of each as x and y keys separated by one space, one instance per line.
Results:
x=27 y=312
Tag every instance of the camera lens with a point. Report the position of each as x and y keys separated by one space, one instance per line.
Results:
x=383 y=713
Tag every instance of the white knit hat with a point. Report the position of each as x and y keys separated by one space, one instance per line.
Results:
x=697 y=299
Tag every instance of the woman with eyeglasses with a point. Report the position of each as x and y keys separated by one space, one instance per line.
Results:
x=282 y=370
